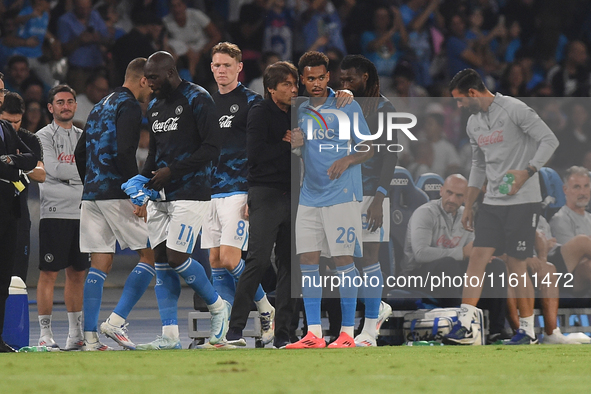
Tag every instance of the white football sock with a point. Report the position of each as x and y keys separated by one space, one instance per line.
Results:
x=316 y=329
x=75 y=324
x=466 y=315
x=527 y=324
x=45 y=325
x=171 y=331
x=349 y=330
x=116 y=320
x=369 y=327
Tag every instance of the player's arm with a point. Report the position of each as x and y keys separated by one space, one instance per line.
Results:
x=11 y=165
x=80 y=155
x=475 y=181
x=128 y=135
x=531 y=123
x=38 y=173
x=421 y=226
x=204 y=114
x=375 y=210
x=258 y=148
x=340 y=166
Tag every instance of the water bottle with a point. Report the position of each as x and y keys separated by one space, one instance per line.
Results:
x=424 y=343
x=505 y=186
x=33 y=349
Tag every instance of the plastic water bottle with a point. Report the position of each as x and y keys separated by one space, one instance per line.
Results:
x=505 y=186
x=33 y=349
x=424 y=343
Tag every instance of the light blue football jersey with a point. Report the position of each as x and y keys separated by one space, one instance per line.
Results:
x=324 y=148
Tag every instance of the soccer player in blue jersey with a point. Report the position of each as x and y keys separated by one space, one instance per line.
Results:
x=359 y=75
x=329 y=213
x=105 y=156
x=225 y=232
x=183 y=144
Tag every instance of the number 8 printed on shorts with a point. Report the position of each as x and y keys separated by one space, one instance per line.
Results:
x=240 y=229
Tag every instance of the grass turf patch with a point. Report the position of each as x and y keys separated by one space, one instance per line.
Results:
x=478 y=369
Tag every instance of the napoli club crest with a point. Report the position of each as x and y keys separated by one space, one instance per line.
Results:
x=234 y=108
x=178 y=110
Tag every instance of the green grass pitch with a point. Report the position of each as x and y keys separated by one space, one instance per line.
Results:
x=402 y=369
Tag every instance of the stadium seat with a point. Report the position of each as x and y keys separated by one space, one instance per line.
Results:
x=405 y=197
x=552 y=194
x=430 y=183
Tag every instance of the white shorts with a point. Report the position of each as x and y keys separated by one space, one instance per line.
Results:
x=334 y=230
x=224 y=224
x=176 y=222
x=103 y=222
x=383 y=233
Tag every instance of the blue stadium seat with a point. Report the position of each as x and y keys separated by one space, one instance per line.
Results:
x=552 y=194
x=405 y=197
x=430 y=183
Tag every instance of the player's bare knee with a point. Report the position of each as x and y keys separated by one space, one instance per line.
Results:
x=175 y=258
x=341 y=261
x=147 y=256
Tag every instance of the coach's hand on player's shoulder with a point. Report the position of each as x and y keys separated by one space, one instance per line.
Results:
x=468 y=219
x=338 y=167
x=375 y=214
x=344 y=97
x=520 y=177
x=141 y=212
x=297 y=138
x=160 y=179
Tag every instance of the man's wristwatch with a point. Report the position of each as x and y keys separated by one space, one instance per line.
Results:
x=531 y=170
x=6 y=159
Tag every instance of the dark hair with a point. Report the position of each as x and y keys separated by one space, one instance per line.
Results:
x=229 y=49
x=465 y=80
x=312 y=59
x=362 y=65
x=16 y=59
x=277 y=73
x=59 y=89
x=1 y=75
x=13 y=104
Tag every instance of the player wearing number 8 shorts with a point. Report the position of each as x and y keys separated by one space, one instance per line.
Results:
x=225 y=232
x=182 y=147
x=328 y=221
x=506 y=136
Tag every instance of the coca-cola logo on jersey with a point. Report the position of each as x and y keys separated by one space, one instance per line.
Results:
x=447 y=243
x=226 y=121
x=169 y=124
x=63 y=158
x=495 y=137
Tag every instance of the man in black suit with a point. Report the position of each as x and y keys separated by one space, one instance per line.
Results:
x=15 y=158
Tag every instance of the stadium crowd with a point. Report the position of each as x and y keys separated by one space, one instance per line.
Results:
x=533 y=49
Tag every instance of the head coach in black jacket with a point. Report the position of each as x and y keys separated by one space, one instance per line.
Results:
x=15 y=158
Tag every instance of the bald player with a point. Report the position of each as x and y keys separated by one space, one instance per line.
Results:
x=183 y=145
x=105 y=156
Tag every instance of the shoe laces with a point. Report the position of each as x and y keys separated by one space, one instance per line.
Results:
x=266 y=321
